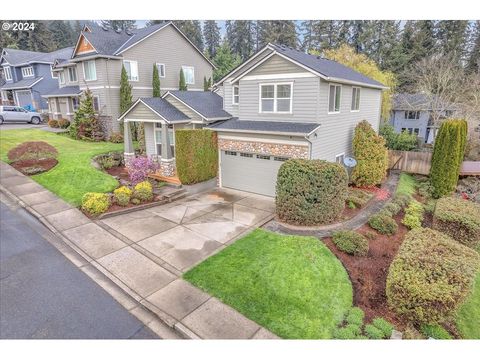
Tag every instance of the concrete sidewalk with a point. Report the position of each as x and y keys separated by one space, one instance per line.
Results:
x=142 y=268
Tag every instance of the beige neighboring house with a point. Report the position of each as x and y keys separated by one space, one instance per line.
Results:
x=97 y=60
x=279 y=104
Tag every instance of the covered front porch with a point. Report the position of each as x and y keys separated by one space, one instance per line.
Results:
x=63 y=102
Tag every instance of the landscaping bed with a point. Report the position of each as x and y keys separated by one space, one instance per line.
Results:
x=32 y=167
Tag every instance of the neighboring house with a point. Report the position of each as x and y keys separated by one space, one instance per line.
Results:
x=28 y=76
x=413 y=113
x=280 y=104
x=97 y=61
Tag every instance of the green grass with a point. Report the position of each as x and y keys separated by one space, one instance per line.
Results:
x=406 y=185
x=292 y=285
x=73 y=176
x=468 y=316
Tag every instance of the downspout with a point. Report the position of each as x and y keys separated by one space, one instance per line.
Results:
x=309 y=147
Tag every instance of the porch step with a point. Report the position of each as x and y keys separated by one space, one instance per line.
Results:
x=175 y=195
x=174 y=180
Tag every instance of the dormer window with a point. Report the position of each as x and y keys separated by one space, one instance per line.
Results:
x=235 y=95
x=8 y=73
x=27 y=71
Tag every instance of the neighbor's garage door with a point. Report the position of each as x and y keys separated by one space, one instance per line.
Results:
x=250 y=172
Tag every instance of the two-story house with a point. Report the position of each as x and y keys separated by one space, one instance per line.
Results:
x=279 y=104
x=97 y=60
x=414 y=113
x=28 y=76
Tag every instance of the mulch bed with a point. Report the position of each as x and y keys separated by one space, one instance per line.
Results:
x=368 y=274
x=32 y=167
x=119 y=172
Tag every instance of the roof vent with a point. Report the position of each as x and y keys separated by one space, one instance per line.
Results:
x=105 y=27
x=118 y=31
x=128 y=32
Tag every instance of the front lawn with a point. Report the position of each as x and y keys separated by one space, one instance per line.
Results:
x=292 y=285
x=468 y=317
x=74 y=175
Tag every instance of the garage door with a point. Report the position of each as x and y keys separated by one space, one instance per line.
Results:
x=250 y=172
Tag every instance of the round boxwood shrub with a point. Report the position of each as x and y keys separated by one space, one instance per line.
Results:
x=122 y=195
x=383 y=223
x=373 y=332
x=143 y=191
x=392 y=207
x=310 y=192
x=430 y=276
x=351 y=242
x=458 y=218
x=384 y=326
x=95 y=203
x=355 y=316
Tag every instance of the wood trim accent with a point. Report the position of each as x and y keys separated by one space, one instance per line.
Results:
x=84 y=46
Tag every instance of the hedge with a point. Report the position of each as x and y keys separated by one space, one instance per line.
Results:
x=310 y=192
x=447 y=157
x=371 y=155
x=196 y=155
x=458 y=218
x=430 y=276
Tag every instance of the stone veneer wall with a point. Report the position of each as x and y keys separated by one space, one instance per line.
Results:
x=292 y=151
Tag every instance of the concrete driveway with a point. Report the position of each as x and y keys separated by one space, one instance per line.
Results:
x=186 y=232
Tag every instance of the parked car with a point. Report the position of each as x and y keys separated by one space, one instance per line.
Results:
x=19 y=114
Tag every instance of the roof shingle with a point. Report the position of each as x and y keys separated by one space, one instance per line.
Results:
x=264 y=126
x=165 y=109
x=206 y=103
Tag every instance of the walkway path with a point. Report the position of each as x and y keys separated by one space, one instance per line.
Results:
x=354 y=223
x=148 y=283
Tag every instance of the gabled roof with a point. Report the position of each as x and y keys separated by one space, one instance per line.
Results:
x=267 y=127
x=139 y=35
x=207 y=104
x=162 y=108
x=50 y=57
x=404 y=101
x=22 y=84
x=64 y=91
x=329 y=70
x=16 y=57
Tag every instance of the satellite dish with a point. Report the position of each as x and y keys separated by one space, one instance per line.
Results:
x=349 y=161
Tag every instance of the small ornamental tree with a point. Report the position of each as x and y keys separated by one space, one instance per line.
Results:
x=85 y=123
x=156 y=82
x=182 y=85
x=205 y=84
x=447 y=158
x=126 y=99
x=371 y=155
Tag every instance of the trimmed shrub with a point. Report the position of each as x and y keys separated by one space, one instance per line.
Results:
x=392 y=208
x=196 y=155
x=371 y=155
x=355 y=316
x=430 y=276
x=383 y=223
x=32 y=150
x=53 y=123
x=447 y=157
x=384 y=326
x=358 y=197
x=350 y=242
x=95 y=203
x=63 y=123
x=116 y=138
x=343 y=334
x=143 y=191
x=458 y=218
x=402 y=199
x=435 y=331
x=310 y=192
x=413 y=215
x=398 y=141
x=373 y=333
x=122 y=195
x=354 y=329
x=139 y=168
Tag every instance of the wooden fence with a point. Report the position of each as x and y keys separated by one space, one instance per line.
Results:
x=415 y=162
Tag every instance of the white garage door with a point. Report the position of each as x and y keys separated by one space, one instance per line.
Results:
x=250 y=172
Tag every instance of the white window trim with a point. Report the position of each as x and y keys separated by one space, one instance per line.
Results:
x=189 y=67
x=358 y=92
x=275 y=98
x=27 y=72
x=94 y=68
x=164 y=70
x=76 y=74
x=328 y=102
x=53 y=73
x=341 y=154
x=62 y=82
x=233 y=95
x=136 y=63
x=9 y=78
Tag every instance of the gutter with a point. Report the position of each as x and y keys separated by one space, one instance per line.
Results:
x=259 y=132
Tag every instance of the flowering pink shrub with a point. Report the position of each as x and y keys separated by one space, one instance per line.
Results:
x=138 y=169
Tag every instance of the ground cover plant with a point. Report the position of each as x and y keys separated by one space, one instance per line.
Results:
x=358 y=197
x=74 y=174
x=406 y=185
x=353 y=327
x=383 y=223
x=468 y=316
x=413 y=215
x=351 y=242
x=292 y=285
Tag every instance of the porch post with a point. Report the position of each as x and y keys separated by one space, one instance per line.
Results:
x=167 y=166
x=127 y=140
x=57 y=113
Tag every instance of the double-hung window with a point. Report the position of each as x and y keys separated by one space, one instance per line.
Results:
x=72 y=74
x=158 y=139
x=189 y=73
x=132 y=69
x=89 y=70
x=355 y=99
x=27 y=71
x=75 y=103
x=161 y=70
x=334 y=98
x=8 y=72
x=412 y=115
x=276 y=98
x=235 y=94
x=61 y=77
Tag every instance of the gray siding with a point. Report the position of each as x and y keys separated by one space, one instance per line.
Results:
x=140 y=111
x=186 y=110
x=149 y=139
x=398 y=121
x=228 y=100
x=276 y=65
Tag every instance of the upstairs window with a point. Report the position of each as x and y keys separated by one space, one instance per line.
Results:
x=27 y=71
x=72 y=74
x=161 y=70
x=276 y=98
x=53 y=73
x=8 y=72
x=412 y=115
x=235 y=94
x=61 y=76
x=355 y=99
x=132 y=69
x=334 y=98
x=89 y=70
x=189 y=73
